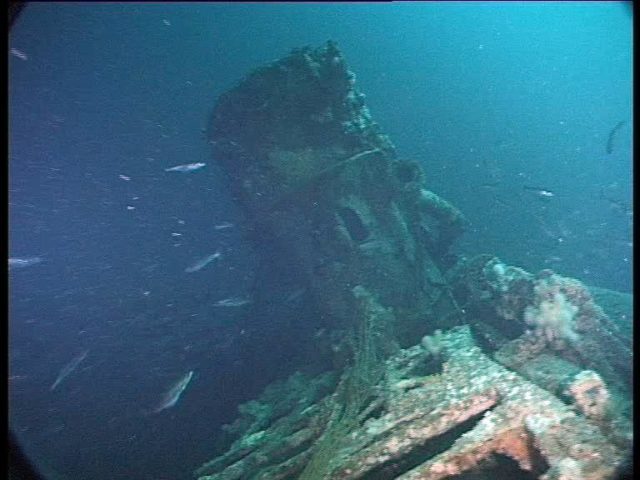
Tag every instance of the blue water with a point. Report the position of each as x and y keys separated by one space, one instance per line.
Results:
x=488 y=97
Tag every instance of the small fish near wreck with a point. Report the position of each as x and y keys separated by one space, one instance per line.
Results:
x=68 y=369
x=223 y=226
x=203 y=262
x=612 y=136
x=232 y=302
x=18 y=54
x=170 y=399
x=23 y=262
x=540 y=192
x=189 y=167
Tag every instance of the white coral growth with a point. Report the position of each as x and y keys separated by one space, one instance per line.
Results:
x=553 y=319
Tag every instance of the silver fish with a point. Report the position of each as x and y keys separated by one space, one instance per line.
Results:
x=296 y=294
x=68 y=369
x=203 y=262
x=189 y=167
x=223 y=226
x=540 y=192
x=173 y=394
x=232 y=302
x=23 y=262
x=17 y=53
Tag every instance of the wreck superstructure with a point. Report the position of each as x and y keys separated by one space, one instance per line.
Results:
x=430 y=354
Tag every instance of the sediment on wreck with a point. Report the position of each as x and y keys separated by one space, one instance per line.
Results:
x=423 y=378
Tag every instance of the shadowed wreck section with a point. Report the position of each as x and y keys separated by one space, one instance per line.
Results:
x=419 y=357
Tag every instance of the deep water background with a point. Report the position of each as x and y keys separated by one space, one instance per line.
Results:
x=490 y=98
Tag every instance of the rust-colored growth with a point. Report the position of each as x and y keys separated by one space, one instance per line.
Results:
x=474 y=411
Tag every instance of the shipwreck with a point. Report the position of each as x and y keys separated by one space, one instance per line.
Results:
x=399 y=359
